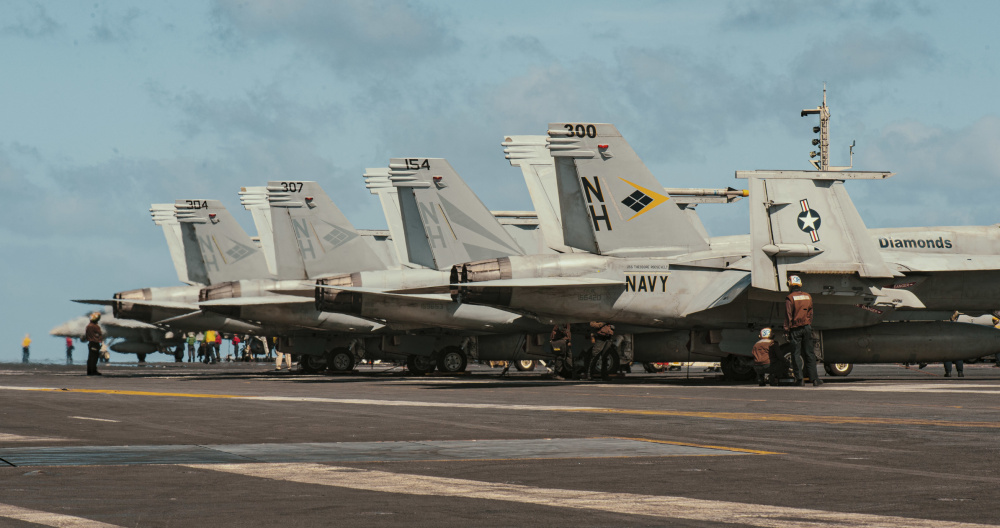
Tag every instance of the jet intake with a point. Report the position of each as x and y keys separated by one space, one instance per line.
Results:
x=122 y=309
x=339 y=301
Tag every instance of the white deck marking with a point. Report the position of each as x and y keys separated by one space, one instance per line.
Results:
x=7 y=437
x=94 y=419
x=50 y=519
x=666 y=507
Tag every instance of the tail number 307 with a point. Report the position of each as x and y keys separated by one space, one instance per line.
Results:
x=580 y=130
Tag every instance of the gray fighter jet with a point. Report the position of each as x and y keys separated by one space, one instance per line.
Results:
x=125 y=336
x=646 y=264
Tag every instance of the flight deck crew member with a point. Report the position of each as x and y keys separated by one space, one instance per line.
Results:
x=959 y=367
x=560 y=342
x=93 y=336
x=69 y=350
x=996 y=358
x=600 y=339
x=764 y=351
x=190 y=344
x=218 y=345
x=25 y=351
x=798 y=325
x=209 y=345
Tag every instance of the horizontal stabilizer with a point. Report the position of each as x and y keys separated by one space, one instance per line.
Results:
x=99 y=302
x=166 y=305
x=723 y=290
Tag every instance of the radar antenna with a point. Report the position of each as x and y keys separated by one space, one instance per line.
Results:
x=823 y=140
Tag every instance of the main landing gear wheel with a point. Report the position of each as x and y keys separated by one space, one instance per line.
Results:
x=738 y=368
x=452 y=360
x=420 y=364
x=838 y=369
x=525 y=365
x=311 y=364
x=653 y=368
x=341 y=360
x=611 y=363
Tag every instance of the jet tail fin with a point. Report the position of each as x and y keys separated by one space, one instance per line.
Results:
x=529 y=153
x=312 y=237
x=377 y=182
x=445 y=223
x=163 y=216
x=216 y=247
x=610 y=203
x=805 y=222
x=254 y=199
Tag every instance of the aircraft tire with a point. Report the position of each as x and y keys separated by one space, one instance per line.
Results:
x=838 y=369
x=651 y=367
x=420 y=364
x=452 y=360
x=525 y=365
x=738 y=368
x=141 y=357
x=312 y=364
x=340 y=360
x=610 y=358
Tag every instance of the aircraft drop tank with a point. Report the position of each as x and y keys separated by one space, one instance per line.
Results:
x=913 y=342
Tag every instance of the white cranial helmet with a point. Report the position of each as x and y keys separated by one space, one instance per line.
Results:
x=765 y=333
x=794 y=280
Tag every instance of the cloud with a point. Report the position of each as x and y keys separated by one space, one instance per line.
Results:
x=682 y=100
x=355 y=35
x=779 y=14
x=943 y=176
x=113 y=28
x=261 y=113
x=29 y=20
x=859 y=56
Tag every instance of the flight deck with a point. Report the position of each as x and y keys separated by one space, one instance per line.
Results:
x=236 y=444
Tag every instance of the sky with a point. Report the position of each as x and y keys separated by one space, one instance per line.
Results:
x=108 y=107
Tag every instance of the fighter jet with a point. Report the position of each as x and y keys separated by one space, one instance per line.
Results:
x=646 y=264
x=125 y=336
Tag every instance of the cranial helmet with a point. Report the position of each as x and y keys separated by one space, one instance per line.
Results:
x=94 y=317
x=794 y=280
x=765 y=333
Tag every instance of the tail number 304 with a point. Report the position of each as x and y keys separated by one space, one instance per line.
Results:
x=580 y=130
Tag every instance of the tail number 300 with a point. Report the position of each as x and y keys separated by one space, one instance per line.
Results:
x=580 y=130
